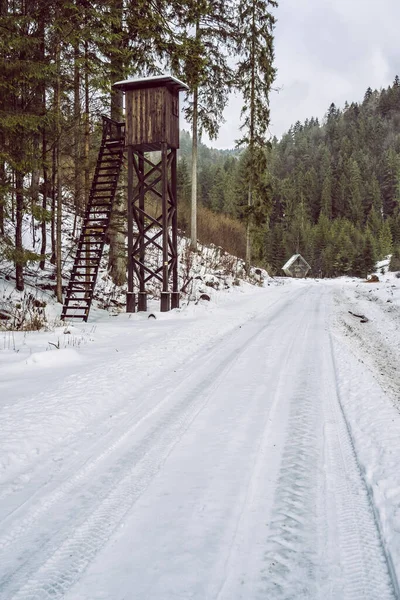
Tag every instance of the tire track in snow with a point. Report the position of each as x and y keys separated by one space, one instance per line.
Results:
x=366 y=562
x=291 y=556
x=356 y=564
x=147 y=407
x=59 y=562
x=235 y=566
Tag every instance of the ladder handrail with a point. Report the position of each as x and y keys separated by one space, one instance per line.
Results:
x=80 y=288
x=109 y=124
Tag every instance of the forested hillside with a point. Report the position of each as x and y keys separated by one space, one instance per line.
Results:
x=332 y=189
x=58 y=61
x=329 y=190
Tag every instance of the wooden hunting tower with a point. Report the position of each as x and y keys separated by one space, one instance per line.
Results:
x=152 y=125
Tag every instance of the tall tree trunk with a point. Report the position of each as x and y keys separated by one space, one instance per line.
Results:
x=44 y=166
x=57 y=107
x=44 y=199
x=251 y=144
x=117 y=256
x=53 y=204
x=78 y=200
x=87 y=126
x=3 y=195
x=35 y=184
x=248 y=232
x=2 y=188
x=19 y=251
x=193 y=220
x=59 y=233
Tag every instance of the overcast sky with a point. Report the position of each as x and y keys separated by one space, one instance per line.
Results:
x=325 y=51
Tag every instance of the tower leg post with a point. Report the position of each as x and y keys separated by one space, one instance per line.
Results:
x=142 y=301
x=130 y=302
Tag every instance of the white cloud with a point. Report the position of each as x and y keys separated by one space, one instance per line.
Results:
x=325 y=52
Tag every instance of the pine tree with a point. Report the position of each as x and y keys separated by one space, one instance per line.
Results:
x=200 y=57
x=326 y=195
x=395 y=260
x=21 y=76
x=368 y=256
x=385 y=240
x=255 y=75
x=391 y=181
x=356 y=206
x=183 y=181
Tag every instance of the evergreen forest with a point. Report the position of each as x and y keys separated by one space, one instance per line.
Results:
x=331 y=188
x=58 y=61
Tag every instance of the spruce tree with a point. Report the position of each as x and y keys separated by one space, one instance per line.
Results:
x=395 y=260
x=385 y=240
x=369 y=257
x=200 y=56
x=255 y=75
x=356 y=206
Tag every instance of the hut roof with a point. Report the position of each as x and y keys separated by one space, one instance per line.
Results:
x=150 y=82
x=293 y=259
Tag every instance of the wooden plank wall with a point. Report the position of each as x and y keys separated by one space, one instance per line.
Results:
x=151 y=117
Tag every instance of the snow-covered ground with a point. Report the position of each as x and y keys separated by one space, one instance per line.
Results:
x=242 y=448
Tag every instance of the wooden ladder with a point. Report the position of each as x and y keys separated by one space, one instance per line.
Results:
x=79 y=294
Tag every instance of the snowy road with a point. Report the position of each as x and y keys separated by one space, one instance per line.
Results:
x=235 y=474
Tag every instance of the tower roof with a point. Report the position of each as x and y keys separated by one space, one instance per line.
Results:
x=151 y=82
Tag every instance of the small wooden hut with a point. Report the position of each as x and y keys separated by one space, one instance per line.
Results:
x=296 y=266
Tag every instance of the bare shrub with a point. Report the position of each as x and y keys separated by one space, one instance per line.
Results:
x=26 y=315
x=215 y=228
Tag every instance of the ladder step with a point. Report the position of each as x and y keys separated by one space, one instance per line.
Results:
x=73 y=297
x=80 y=285
x=90 y=256
x=93 y=234
x=85 y=300
x=103 y=219
x=92 y=264
x=76 y=305
x=77 y=283
x=90 y=243
x=85 y=270
x=87 y=281
x=83 y=282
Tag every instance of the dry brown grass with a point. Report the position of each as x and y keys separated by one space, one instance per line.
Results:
x=212 y=228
